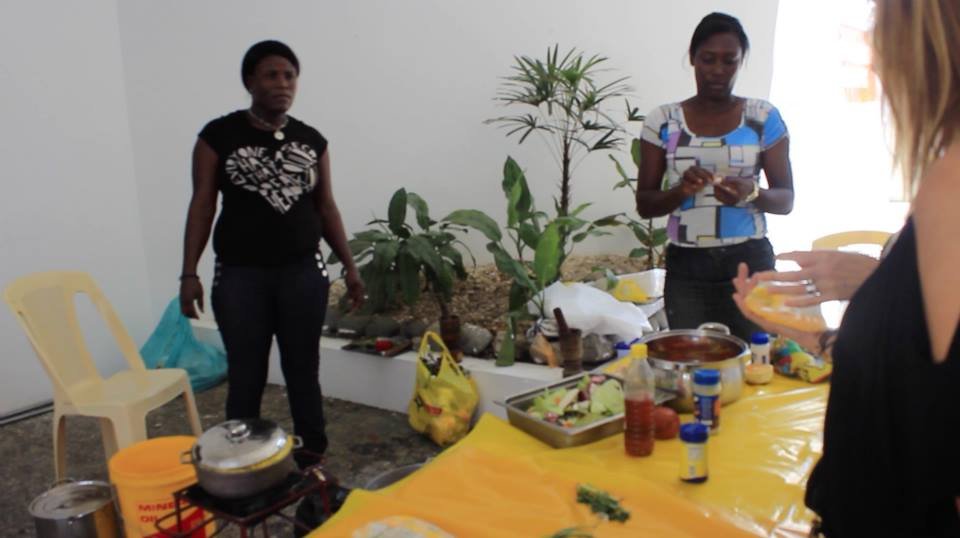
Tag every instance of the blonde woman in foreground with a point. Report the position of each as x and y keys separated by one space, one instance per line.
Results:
x=890 y=462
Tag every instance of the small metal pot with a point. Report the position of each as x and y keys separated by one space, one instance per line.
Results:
x=675 y=355
x=392 y=476
x=76 y=509
x=241 y=458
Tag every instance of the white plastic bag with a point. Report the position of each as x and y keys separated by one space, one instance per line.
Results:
x=595 y=311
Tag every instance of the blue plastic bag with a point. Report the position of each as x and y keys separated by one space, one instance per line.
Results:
x=173 y=345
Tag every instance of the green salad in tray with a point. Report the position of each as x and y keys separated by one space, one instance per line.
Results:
x=593 y=398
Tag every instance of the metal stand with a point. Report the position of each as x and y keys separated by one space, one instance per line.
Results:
x=247 y=513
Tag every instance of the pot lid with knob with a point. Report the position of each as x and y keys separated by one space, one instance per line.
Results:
x=236 y=445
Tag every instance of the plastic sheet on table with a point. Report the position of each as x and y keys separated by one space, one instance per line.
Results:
x=501 y=482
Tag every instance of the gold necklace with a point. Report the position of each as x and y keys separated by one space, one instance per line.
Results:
x=277 y=130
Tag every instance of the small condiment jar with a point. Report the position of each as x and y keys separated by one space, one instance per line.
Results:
x=706 y=398
x=693 y=456
x=760 y=348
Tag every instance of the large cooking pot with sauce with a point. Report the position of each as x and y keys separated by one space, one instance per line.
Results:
x=675 y=355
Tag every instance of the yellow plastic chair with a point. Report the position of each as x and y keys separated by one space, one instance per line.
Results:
x=843 y=239
x=44 y=305
x=833 y=312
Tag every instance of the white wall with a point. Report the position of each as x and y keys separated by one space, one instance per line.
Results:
x=401 y=90
x=69 y=199
x=103 y=100
x=841 y=156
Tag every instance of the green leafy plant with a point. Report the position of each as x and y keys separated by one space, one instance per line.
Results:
x=652 y=238
x=528 y=232
x=564 y=102
x=564 y=105
x=397 y=261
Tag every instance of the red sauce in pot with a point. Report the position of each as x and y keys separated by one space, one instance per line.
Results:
x=688 y=348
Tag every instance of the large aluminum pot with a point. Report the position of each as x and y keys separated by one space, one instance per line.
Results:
x=76 y=509
x=241 y=458
x=675 y=355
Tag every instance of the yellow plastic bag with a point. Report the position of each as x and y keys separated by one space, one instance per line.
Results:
x=443 y=404
x=628 y=290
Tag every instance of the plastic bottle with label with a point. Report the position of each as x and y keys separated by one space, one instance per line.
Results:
x=693 y=457
x=706 y=398
x=760 y=348
x=639 y=392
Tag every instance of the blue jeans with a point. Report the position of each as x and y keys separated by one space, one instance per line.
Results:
x=254 y=304
x=698 y=287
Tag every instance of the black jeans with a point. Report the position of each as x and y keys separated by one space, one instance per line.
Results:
x=698 y=288
x=252 y=304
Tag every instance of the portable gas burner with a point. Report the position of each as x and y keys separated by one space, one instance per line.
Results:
x=249 y=513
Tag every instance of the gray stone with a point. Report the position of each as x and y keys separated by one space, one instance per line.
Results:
x=353 y=324
x=414 y=328
x=384 y=326
x=596 y=348
x=332 y=318
x=474 y=339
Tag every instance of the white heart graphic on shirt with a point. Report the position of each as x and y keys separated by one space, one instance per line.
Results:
x=281 y=177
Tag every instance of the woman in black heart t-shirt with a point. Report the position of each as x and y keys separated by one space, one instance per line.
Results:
x=270 y=280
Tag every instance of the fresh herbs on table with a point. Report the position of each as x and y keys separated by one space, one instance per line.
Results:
x=601 y=503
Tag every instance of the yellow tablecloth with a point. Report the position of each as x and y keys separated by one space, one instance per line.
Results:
x=501 y=482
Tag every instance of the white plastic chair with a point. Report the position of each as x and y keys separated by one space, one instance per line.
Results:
x=44 y=305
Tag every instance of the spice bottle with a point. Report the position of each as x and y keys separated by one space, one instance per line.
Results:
x=693 y=457
x=706 y=398
x=760 y=348
x=639 y=392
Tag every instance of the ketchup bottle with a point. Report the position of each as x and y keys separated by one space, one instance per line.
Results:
x=639 y=391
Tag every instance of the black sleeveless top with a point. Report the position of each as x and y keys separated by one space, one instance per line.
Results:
x=268 y=215
x=890 y=462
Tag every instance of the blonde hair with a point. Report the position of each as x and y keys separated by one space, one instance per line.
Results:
x=917 y=58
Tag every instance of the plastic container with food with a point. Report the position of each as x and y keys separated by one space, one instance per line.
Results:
x=771 y=306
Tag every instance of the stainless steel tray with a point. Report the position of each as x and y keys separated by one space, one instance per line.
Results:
x=558 y=436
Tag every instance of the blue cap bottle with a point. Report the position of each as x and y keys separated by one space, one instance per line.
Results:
x=760 y=337
x=693 y=457
x=706 y=397
x=760 y=348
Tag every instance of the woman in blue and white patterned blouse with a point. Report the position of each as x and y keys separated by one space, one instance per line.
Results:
x=701 y=164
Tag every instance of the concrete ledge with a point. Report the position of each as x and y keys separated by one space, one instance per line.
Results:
x=388 y=383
